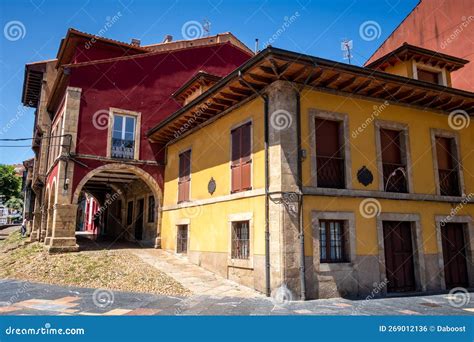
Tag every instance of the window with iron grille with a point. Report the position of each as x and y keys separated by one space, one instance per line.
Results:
x=184 y=180
x=182 y=239
x=241 y=158
x=329 y=154
x=130 y=213
x=240 y=240
x=448 y=168
x=123 y=137
x=151 y=209
x=394 y=166
x=332 y=241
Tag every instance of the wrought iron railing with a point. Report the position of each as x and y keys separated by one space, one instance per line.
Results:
x=123 y=149
x=240 y=248
x=182 y=241
x=394 y=177
x=330 y=172
x=448 y=182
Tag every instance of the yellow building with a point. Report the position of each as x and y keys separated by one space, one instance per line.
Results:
x=327 y=179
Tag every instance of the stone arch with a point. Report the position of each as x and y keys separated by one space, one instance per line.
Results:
x=144 y=176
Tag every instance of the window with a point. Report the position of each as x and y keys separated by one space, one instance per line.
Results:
x=182 y=239
x=151 y=209
x=240 y=240
x=428 y=76
x=448 y=171
x=241 y=158
x=329 y=154
x=332 y=241
x=123 y=137
x=184 y=180
x=393 y=161
x=130 y=213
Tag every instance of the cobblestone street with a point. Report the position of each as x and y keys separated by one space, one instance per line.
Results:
x=27 y=298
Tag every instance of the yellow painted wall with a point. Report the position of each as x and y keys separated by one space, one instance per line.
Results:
x=210 y=157
x=401 y=68
x=363 y=152
x=363 y=148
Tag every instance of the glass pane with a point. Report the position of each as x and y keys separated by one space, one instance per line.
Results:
x=129 y=125
x=117 y=131
x=322 y=240
x=128 y=136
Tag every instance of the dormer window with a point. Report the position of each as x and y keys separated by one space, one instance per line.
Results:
x=419 y=63
x=429 y=76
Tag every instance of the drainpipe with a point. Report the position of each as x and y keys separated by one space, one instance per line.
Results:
x=300 y=198
x=267 y=193
x=267 y=229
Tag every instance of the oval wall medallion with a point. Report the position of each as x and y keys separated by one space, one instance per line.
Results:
x=364 y=176
x=211 y=186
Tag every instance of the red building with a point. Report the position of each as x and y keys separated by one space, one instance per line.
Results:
x=443 y=26
x=95 y=102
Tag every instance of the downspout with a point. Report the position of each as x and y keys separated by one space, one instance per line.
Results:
x=300 y=198
x=267 y=211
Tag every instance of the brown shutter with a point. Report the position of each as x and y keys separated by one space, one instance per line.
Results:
x=390 y=144
x=428 y=76
x=443 y=152
x=235 y=164
x=327 y=138
x=241 y=158
x=184 y=176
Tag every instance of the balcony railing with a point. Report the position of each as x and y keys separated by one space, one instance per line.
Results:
x=448 y=182
x=394 y=177
x=123 y=149
x=330 y=172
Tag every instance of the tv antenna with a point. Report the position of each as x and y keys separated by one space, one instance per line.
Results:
x=206 y=26
x=346 y=47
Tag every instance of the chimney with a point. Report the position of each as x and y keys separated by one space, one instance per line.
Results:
x=135 y=42
x=168 y=38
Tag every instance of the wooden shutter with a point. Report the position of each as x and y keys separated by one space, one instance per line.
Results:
x=241 y=158
x=443 y=152
x=428 y=76
x=184 y=176
x=327 y=138
x=245 y=159
x=390 y=145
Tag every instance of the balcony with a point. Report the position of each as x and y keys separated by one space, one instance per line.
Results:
x=394 y=177
x=123 y=149
x=330 y=172
x=448 y=182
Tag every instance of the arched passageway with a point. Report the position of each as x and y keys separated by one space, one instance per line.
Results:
x=127 y=201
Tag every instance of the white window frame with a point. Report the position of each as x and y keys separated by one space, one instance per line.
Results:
x=443 y=80
x=124 y=113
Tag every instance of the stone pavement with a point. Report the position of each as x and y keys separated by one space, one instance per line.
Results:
x=195 y=278
x=27 y=298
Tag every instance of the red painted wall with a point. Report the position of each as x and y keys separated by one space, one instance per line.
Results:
x=143 y=84
x=440 y=25
x=87 y=50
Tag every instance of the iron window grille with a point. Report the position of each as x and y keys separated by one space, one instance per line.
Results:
x=332 y=241
x=240 y=240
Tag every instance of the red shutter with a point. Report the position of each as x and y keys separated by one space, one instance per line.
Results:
x=241 y=158
x=184 y=176
x=390 y=144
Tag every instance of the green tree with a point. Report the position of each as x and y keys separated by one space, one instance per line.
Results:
x=15 y=203
x=10 y=183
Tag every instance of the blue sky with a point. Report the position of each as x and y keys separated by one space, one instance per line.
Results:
x=314 y=27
